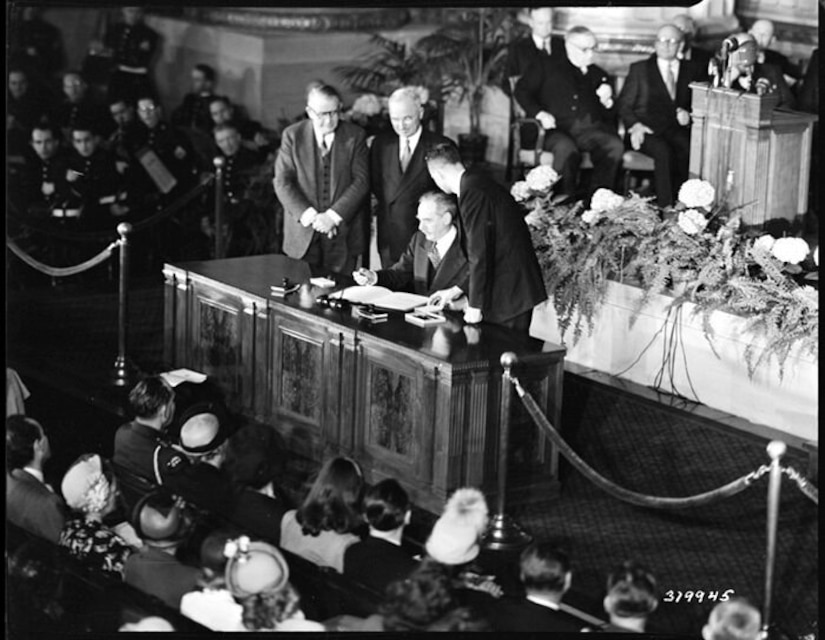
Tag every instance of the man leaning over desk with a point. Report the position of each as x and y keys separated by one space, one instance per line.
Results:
x=434 y=262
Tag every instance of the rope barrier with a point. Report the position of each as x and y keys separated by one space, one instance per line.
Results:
x=62 y=271
x=639 y=499
x=802 y=482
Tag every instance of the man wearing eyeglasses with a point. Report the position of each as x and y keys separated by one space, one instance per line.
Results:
x=322 y=181
x=655 y=107
x=572 y=99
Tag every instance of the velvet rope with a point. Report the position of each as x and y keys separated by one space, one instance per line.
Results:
x=61 y=272
x=804 y=486
x=656 y=502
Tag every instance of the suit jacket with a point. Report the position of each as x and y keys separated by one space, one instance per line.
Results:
x=413 y=272
x=644 y=97
x=556 y=86
x=773 y=74
x=505 y=278
x=701 y=60
x=520 y=614
x=31 y=506
x=523 y=53
x=398 y=193
x=295 y=184
x=376 y=563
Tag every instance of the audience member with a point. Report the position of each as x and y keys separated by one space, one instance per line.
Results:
x=434 y=261
x=735 y=619
x=687 y=51
x=379 y=559
x=213 y=604
x=631 y=596
x=30 y=503
x=78 y=105
x=95 y=184
x=526 y=52
x=160 y=521
x=90 y=490
x=256 y=459
x=222 y=111
x=124 y=139
x=572 y=99
x=133 y=45
x=42 y=184
x=329 y=519
x=763 y=32
x=398 y=173
x=753 y=77
x=193 y=112
x=654 y=105
x=35 y=45
x=322 y=181
x=505 y=280
x=26 y=106
x=546 y=574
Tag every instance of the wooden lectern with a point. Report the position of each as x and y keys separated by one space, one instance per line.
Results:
x=761 y=155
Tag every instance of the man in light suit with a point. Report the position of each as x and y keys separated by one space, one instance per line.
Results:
x=398 y=175
x=322 y=181
x=654 y=105
x=30 y=503
x=505 y=279
x=434 y=261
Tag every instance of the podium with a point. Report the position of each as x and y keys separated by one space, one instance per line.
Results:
x=761 y=155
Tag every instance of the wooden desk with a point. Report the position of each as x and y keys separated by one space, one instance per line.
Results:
x=417 y=404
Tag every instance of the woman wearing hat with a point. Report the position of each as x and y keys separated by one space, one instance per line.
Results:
x=90 y=491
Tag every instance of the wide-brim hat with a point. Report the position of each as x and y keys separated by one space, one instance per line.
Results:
x=203 y=427
x=158 y=518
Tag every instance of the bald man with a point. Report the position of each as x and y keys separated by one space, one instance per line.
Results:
x=762 y=78
x=654 y=105
x=398 y=174
x=764 y=34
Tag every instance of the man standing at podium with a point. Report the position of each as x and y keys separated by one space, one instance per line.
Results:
x=505 y=278
x=322 y=181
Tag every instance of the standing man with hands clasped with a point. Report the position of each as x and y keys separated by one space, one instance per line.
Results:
x=505 y=279
x=322 y=181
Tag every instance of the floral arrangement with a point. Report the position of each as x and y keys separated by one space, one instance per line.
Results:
x=695 y=251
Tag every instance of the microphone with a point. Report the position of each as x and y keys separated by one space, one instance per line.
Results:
x=730 y=44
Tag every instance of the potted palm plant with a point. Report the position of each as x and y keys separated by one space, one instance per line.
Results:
x=469 y=55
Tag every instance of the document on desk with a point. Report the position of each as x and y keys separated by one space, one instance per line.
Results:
x=381 y=297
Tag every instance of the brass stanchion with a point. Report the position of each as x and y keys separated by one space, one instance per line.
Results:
x=776 y=449
x=122 y=371
x=219 y=248
x=504 y=534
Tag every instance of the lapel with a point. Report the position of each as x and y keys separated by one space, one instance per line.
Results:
x=305 y=151
x=422 y=261
x=683 y=82
x=450 y=263
x=392 y=168
x=657 y=82
x=415 y=167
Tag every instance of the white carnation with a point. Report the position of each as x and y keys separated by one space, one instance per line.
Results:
x=697 y=193
x=541 y=178
x=591 y=216
x=520 y=191
x=790 y=250
x=368 y=104
x=765 y=243
x=692 y=221
x=605 y=200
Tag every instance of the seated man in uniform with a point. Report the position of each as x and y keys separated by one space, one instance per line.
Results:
x=434 y=260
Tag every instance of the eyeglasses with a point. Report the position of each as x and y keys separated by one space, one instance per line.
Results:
x=323 y=114
x=592 y=49
x=147 y=109
x=670 y=41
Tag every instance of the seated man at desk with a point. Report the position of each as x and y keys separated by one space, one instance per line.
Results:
x=434 y=262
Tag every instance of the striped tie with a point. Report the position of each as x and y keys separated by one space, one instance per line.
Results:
x=434 y=256
x=406 y=154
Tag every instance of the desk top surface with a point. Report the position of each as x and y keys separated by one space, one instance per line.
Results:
x=452 y=341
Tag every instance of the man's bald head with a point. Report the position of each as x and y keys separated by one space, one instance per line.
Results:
x=763 y=33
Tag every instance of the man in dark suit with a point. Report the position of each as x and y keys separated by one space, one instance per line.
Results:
x=546 y=576
x=762 y=78
x=654 y=105
x=322 y=181
x=398 y=175
x=525 y=52
x=434 y=261
x=505 y=279
x=573 y=101
x=30 y=503
x=763 y=33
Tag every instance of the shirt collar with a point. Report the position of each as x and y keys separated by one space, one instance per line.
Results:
x=444 y=243
x=414 y=138
x=539 y=42
x=37 y=473
x=663 y=65
x=328 y=137
x=386 y=536
x=544 y=602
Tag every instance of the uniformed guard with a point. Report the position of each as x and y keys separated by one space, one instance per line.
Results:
x=42 y=182
x=78 y=105
x=193 y=112
x=133 y=46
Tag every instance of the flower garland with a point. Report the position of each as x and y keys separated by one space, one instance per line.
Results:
x=695 y=251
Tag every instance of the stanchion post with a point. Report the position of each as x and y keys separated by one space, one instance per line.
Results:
x=122 y=370
x=504 y=534
x=776 y=449
x=219 y=248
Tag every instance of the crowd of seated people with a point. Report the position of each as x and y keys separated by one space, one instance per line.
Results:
x=193 y=512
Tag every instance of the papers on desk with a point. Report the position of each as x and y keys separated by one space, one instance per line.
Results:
x=381 y=297
x=174 y=378
x=425 y=317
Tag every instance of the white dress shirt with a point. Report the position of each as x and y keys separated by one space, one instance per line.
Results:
x=414 y=138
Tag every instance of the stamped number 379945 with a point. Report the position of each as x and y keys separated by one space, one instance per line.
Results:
x=697 y=595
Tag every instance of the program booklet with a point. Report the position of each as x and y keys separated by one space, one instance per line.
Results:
x=382 y=297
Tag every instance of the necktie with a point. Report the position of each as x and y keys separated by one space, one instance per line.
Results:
x=325 y=146
x=670 y=81
x=434 y=256
x=406 y=154
x=546 y=46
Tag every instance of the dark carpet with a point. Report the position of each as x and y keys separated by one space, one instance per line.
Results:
x=62 y=340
